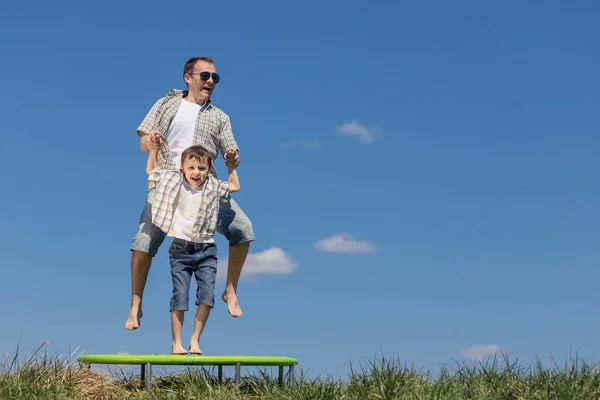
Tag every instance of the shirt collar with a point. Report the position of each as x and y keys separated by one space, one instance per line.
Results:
x=184 y=92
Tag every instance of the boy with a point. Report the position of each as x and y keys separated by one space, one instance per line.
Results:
x=186 y=207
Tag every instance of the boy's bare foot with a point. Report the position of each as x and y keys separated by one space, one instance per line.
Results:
x=133 y=321
x=195 y=348
x=233 y=307
x=178 y=349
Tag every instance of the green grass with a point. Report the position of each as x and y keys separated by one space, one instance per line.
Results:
x=41 y=376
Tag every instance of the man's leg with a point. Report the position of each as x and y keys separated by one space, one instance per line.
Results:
x=237 y=228
x=140 y=266
x=237 y=258
x=143 y=248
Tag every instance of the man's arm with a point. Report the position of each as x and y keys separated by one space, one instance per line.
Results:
x=149 y=125
x=227 y=144
x=151 y=142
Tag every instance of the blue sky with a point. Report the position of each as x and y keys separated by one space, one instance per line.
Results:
x=422 y=177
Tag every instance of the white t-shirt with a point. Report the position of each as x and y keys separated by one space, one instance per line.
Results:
x=180 y=135
x=186 y=213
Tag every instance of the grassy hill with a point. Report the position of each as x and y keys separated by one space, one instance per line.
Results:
x=41 y=376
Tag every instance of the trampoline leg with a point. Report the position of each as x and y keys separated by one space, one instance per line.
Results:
x=148 y=376
x=237 y=374
x=291 y=377
x=220 y=372
x=143 y=374
x=280 y=380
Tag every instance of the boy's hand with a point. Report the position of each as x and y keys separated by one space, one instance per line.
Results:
x=155 y=137
x=152 y=140
x=232 y=159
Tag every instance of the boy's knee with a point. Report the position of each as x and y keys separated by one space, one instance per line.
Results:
x=179 y=302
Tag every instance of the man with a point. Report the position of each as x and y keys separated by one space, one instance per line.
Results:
x=175 y=122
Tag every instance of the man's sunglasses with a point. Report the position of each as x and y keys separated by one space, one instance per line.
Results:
x=205 y=75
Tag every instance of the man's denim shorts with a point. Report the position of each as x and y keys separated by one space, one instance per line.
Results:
x=232 y=223
x=187 y=258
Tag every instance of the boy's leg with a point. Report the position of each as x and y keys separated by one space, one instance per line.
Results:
x=206 y=274
x=176 y=328
x=237 y=228
x=202 y=314
x=144 y=246
x=181 y=258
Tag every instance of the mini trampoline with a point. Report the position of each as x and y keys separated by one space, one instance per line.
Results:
x=145 y=361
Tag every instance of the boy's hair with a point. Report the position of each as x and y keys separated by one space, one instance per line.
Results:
x=196 y=153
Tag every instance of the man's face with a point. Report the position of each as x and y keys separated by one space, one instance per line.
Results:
x=201 y=88
x=194 y=171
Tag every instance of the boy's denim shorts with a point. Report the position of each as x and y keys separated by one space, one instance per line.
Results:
x=187 y=258
x=232 y=223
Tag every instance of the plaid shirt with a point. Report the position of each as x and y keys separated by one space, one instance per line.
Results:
x=213 y=128
x=168 y=184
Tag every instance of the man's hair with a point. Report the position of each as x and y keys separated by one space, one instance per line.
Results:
x=188 y=68
x=196 y=153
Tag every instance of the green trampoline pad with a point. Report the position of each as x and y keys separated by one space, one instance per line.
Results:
x=168 y=359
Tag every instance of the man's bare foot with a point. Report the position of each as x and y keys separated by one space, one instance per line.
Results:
x=195 y=348
x=133 y=321
x=233 y=307
x=178 y=349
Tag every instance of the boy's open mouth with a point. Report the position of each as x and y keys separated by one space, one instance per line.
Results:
x=195 y=180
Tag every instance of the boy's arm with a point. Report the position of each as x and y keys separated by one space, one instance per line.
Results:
x=234 y=182
x=155 y=140
x=155 y=176
x=152 y=163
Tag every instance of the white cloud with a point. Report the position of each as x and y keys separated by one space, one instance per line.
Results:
x=355 y=128
x=270 y=261
x=344 y=243
x=308 y=144
x=478 y=353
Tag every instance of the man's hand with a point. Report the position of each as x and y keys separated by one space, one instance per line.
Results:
x=232 y=159
x=151 y=141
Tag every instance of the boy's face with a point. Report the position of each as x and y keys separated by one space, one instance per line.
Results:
x=194 y=171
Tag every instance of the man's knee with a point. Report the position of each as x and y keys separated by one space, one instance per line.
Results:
x=241 y=231
x=147 y=241
x=148 y=237
x=234 y=224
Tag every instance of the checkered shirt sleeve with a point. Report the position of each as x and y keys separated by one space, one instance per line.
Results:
x=149 y=123
x=167 y=184
x=208 y=216
x=227 y=140
x=223 y=190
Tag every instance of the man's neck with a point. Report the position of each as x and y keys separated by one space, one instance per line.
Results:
x=192 y=98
